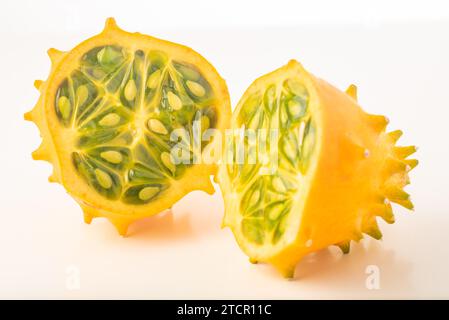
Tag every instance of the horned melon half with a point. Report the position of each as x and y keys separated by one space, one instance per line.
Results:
x=108 y=113
x=318 y=173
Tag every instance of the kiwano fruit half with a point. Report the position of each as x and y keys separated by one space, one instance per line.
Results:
x=337 y=169
x=107 y=114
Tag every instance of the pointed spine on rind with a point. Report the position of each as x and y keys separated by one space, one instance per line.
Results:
x=345 y=246
x=377 y=122
x=352 y=91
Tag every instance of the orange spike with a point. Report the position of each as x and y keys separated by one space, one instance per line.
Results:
x=41 y=153
x=395 y=135
x=120 y=225
x=38 y=84
x=371 y=228
x=28 y=115
x=385 y=211
x=404 y=152
x=377 y=122
x=393 y=166
x=55 y=55
x=345 y=246
x=352 y=91
x=110 y=24
x=411 y=163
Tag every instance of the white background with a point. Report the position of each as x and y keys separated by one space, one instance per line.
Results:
x=396 y=52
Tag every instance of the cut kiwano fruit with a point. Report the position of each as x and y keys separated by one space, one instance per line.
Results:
x=337 y=169
x=107 y=112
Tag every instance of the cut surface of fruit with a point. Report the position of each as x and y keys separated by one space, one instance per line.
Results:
x=111 y=115
x=317 y=172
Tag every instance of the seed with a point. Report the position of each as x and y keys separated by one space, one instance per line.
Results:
x=254 y=198
x=148 y=193
x=156 y=126
x=82 y=93
x=109 y=120
x=174 y=101
x=65 y=108
x=294 y=108
x=130 y=90
x=274 y=211
x=103 y=178
x=197 y=89
x=167 y=161
x=153 y=79
x=290 y=148
x=205 y=123
x=283 y=115
x=112 y=156
x=278 y=185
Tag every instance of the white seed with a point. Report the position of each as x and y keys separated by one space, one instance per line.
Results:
x=153 y=79
x=112 y=156
x=174 y=101
x=148 y=193
x=103 y=178
x=167 y=161
x=278 y=185
x=254 y=198
x=197 y=89
x=109 y=120
x=275 y=212
x=156 y=126
x=130 y=90
x=309 y=243
x=294 y=108
x=82 y=93
x=64 y=106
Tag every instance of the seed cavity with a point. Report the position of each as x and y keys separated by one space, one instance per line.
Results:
x=290 y=148
x=108 y=55
x=109 y=120
x=278 y=185
x=174 y=101
x=294 y=109
x=114 y=157
x=168 y=161
x=197 y=89
x=274 y=211
x=297 y=88
x=130 y=90
x=156 y=126
x=82 y=93
x=103 y=179
x=65 y=107
x=147 y=193
x=153 y=79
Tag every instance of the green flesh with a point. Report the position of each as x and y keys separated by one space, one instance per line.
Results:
x=265 y=200
x=124 y=105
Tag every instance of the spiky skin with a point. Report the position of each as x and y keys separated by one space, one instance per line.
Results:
x=58 y=142
x=358 y=170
